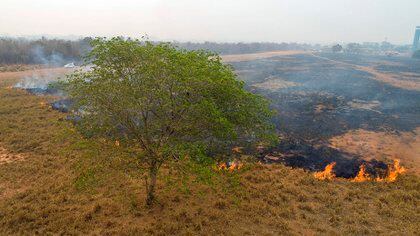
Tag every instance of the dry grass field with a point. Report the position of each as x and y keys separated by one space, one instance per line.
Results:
x=19 y=67
x=56 y=182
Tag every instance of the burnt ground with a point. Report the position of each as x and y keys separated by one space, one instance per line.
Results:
x=317 y=99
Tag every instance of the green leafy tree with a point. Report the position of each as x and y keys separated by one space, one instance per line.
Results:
x=166 y=102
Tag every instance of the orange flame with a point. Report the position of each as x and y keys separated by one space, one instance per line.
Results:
x=231 y=166
x=237 y=149
x=393 y=172
x=327 y=173
x=222 y=166
x=362 y=175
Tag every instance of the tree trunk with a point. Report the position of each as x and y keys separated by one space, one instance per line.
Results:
x=150 y=186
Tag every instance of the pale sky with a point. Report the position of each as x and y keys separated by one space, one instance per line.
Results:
x=309 y=21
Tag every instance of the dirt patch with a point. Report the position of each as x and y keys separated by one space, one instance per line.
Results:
x=19 y=67
x=365 y=105
x=256 y=56
x=387 y=63
x=410 y=75
x=320 y=108
x=7 y=192
x=8 y=79
x=8 y=157
x=275 y=83
x=18 y=74
x=382 y=145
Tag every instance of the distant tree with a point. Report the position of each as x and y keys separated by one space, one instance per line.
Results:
x=337 y=48
x=416 y=54
x=164 y=101
x=354 y=48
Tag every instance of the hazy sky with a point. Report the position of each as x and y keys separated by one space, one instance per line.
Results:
x=313 y=21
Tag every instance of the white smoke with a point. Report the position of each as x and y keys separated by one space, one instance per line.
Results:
x=55 y=59
x=36 y=81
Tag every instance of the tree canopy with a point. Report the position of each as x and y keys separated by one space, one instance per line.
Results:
x=166 y=100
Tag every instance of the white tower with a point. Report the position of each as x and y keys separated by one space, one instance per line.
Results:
x=416 y=43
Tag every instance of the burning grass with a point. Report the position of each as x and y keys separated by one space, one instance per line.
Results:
x=382 y=146
x=392 y=173
x=69 y=185
x=362 y=175
x=326 y=174
x=230 y=165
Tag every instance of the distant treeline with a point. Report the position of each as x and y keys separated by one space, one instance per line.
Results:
x=60 y=52
x=238 y=48
x=42 y=51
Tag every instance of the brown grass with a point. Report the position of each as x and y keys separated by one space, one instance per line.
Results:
x=69 y=185
x=19 y=67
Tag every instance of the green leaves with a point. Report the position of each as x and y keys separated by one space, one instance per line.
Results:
x=159 y=97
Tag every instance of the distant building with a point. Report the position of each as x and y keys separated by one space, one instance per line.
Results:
x=416 y=43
